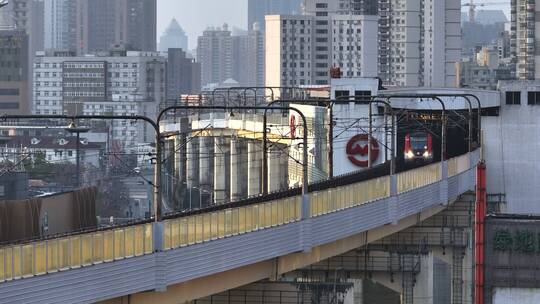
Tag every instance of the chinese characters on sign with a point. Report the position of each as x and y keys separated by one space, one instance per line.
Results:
x=522 y=241
x=424 y=116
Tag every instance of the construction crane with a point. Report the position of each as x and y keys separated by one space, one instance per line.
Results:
x=472 y=8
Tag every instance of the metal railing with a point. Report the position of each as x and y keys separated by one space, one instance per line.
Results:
x=331 y=200
x=229 y=222
x=64 y=253
x=459 y=164
x=418 y=178
x=77 y=251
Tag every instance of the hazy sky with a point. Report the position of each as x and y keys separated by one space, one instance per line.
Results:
x=195 y=15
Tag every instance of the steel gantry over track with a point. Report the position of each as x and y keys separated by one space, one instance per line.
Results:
x=198 y=253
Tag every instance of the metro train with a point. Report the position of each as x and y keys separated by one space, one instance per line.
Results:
x=418 y=147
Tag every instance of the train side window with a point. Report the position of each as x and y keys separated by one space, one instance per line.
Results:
x=533 y=98
x=513 y=98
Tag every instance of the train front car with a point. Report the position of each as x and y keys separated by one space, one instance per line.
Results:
x=418 y=147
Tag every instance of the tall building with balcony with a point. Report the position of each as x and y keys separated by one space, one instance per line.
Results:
x=309 y=45
x=248 y=57
x=418 y=42
x=423 y=42
x=334 y=20
x=524 y=32
x=215 y=53
x=224 y=56
x=289 y=62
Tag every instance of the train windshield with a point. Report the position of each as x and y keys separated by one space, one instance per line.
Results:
x=419 y=142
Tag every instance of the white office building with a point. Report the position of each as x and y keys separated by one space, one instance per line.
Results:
x=117 y=83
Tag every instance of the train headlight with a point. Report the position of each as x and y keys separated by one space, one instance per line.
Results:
x=427 y=154
x=409 y=154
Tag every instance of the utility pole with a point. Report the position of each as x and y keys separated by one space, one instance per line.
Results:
x=73 y=128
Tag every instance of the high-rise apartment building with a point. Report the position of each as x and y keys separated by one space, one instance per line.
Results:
x=225 y=56
x=14 y=78
x=183 y=74
x=60 y=21
x=174 y=37
x=215 y=53
x=310 y=46
x=442 y=42
x=102 y=24
x=418 y=42
x=258 y=9
x=289 y=62
x=524 y=35
x=248 y=58
x=330 y=34
x=354 y=45
x=254 y=63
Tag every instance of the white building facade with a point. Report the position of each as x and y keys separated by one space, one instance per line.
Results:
x=307 y=51
x=416 y=43
x=425 y=42
x=289 y=62
x=525 y=27
x=354 y=45
x=124 y=83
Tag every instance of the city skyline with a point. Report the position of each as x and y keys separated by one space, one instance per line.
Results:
x=232 y=12
x=270 y=151
x=188 y=13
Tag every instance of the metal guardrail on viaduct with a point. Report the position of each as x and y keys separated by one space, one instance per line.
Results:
x=96 y=266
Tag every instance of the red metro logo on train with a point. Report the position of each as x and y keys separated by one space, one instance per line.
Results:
x=357 y=150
